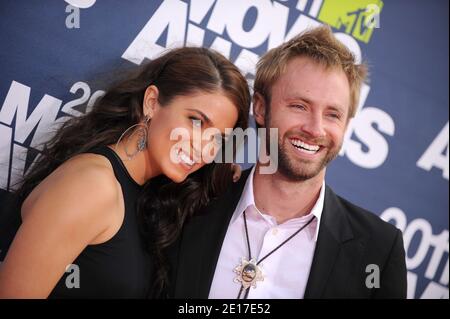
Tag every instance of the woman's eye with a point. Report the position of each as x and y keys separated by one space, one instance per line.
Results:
x=195 y=121
x=218 y=138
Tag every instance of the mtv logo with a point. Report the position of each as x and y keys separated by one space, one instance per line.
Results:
x=354 y=17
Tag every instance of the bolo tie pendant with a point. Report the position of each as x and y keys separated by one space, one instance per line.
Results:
x=248 y=273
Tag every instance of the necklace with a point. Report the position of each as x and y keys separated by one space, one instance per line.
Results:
x=249 y=271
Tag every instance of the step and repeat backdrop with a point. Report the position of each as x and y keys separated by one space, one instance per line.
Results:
x=58 y=56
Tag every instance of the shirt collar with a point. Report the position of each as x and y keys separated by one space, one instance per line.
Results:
x=248 y=200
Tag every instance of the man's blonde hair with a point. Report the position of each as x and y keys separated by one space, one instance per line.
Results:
x=320 y=45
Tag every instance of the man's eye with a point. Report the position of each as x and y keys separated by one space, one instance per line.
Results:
x=334 y=116
x=299 y=106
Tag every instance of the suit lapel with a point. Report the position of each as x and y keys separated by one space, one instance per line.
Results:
x=334 y=231
x=201 y=242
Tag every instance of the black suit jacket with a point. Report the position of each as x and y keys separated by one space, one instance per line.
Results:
x=350 y=238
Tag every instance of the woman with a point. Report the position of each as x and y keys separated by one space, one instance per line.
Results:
x=112 y=188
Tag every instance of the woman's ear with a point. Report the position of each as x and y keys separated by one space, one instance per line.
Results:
x=150 y=105
x=259 y=108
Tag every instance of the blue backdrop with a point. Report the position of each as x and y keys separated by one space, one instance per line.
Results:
x=55 y=58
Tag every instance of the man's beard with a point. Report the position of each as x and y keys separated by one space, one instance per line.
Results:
x=299 y=170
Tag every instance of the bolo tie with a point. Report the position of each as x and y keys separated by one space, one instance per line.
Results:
x=248 y=271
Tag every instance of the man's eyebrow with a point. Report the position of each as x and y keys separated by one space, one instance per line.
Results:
x=299 y=97
x=335 y=107
x=203 y=115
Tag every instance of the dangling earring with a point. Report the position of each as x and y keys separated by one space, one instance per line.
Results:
x=142 y=132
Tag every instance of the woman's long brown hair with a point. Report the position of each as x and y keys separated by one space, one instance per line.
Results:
x=164 y=205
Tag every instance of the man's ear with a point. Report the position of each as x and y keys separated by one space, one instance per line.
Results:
x=259 y=108
x=150 y=105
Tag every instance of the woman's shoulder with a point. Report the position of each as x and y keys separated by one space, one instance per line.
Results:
x=84 y=183
x=89 y=163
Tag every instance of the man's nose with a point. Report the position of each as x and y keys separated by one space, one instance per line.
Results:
x=314 y=125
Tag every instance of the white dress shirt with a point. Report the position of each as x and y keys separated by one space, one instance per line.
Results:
x=286 y=271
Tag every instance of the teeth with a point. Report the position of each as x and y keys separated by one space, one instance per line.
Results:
x=309 y=147
x=303 y=145
x=183 y=157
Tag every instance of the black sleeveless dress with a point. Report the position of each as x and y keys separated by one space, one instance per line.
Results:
x=119 y=267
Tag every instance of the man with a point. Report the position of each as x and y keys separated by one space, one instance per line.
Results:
x=287 y=234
